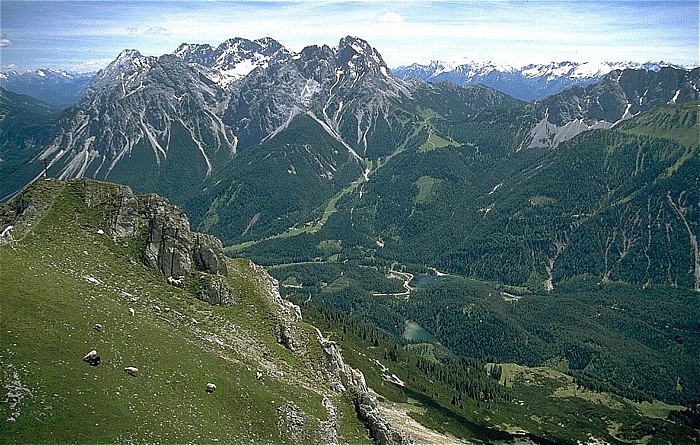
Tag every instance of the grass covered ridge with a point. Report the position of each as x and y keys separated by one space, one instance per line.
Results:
x=64 y=276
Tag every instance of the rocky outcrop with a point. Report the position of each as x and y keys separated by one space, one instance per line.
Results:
x=344 y=379
x=344 y=376
x=380 y=429
x=208 y=254
x=352 y=381
x=289 y=314
x=169 y=244
x=214 y=290
x=125 y=219
x=168 y=238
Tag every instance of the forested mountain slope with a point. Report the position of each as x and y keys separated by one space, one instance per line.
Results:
x=616 y=204
x=26 y=126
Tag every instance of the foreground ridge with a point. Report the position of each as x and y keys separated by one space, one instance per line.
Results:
x=111 y=252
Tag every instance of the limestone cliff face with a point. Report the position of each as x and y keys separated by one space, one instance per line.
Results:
x=350 y=380
x=169 y=245
x=343 y=378
x=168 y=236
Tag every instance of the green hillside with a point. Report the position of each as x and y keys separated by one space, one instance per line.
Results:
x=675 y=121
x=62 y=273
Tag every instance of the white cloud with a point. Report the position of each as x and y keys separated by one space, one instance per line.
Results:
x=92 y=65
x=158 y=30
x=391 y=17
x=403 y=31
x=152 y=31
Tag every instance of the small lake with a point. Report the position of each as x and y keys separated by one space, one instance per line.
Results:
x=415 y=332
x=425 y=280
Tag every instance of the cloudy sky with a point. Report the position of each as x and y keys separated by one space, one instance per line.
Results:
x=86 y=35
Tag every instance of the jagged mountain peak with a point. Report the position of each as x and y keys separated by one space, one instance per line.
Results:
x=234 y=58
x=128 y=61
x=128 y=58
x=353 y=51
x=202 y=54
x=130 y=72
x=128 y=54
x=132 y=115
x=359 y=45
x=266 y=46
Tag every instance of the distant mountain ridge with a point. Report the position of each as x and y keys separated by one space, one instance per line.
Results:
x=55 y=87
x=528 y=82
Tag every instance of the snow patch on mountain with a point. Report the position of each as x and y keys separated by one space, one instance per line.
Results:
x=233 y=59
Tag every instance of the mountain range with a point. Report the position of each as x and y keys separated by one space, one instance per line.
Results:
x=55 y=87
x=267 y=139
x=236 y=58
x=528 y=82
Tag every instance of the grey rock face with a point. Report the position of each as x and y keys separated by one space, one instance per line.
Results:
x=284 y=333
x=343 y=378
x=170 y=246
x=352 y=381
x=208 y=254
x=216 y=291
x=379 y=429
x=168 y=238
x=289 y=314
x=126 y=218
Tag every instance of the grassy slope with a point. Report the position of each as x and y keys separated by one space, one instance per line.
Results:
x=672 y=121
x=49 y=308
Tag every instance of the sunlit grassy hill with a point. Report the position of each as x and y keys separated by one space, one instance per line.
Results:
x=61 y=274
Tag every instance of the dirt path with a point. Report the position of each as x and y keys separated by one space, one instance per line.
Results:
x=406 y=277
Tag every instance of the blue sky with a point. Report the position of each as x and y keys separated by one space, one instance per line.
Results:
x=86 y=35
